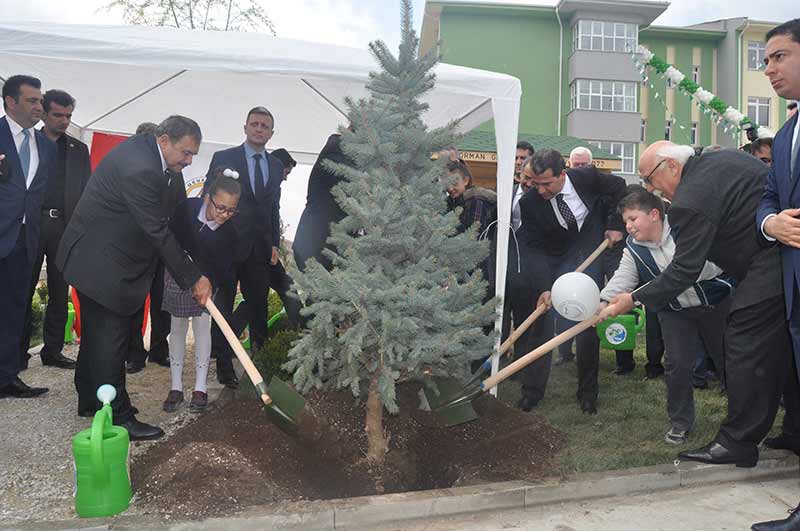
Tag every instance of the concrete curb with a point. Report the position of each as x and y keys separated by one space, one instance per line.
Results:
x=373 y=510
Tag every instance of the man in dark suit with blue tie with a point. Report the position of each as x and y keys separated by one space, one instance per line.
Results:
x=777 y=219
x=568 y=216
x=28 y=157
x=258 y=230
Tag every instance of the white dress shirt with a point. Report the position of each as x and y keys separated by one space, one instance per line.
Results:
x=18 y=136
x=573 y=201
x=516 y=214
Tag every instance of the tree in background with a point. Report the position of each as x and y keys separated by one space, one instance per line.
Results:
x=221 y=15
x=404 y=298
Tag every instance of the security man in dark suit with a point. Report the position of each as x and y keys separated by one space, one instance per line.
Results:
x=109 y=253
x=64 y=187
x=321 y=209
x=569 y=216
x=258 y=229
x=714 y=200
x=27 y=160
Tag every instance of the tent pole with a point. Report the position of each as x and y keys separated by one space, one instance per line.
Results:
x=134 y=98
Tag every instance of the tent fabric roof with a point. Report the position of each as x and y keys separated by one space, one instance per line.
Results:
x=485 y=141
x=116 y=73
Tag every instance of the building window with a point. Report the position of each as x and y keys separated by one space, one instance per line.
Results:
x=643 y=132
x=595 y=95
x=624 y=150
x=696 y=74
x=694 y=134
x=604 y=36
x=668 y=130
x=758 y=110
x=755 y=55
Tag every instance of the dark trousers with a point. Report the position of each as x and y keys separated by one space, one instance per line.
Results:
x=654 y=343
x=105 y=337
x=15 y=278
x=254 y=278
x=281 y=283
x=757 y=359
x=159 y=325
x=685 y=333
x=55 y=316
x=587 y=345
x=791 y=389
x=522 y=294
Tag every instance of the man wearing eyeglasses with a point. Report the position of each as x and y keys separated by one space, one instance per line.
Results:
x=109 y=253
x=714 y=199
x=258 y=229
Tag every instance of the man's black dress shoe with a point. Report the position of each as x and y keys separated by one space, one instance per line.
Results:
x=58 y=360
x=19 y=389
x=139 y=431
x=783 y=442
x=526 y=403
x=589 y=407
x=160 y=360
x=792 y=523
x=133 y=368
x=622 y=371
x=229 y=380
x=715 y=454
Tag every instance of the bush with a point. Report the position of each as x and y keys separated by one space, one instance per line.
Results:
x=274 y=354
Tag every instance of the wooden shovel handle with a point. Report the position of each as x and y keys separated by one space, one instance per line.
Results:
x=537 y=353
x=592 y=257
x=521 y=329
x=237 y=347
x=509 y=342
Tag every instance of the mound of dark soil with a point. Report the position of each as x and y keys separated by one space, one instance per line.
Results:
x=233 y=457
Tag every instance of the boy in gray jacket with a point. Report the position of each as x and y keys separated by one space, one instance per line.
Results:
x=694 y=319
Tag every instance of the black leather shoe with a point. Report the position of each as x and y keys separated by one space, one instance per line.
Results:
x=160 y=360
x=715 y=454
x=589 y=407
x=19 y=389
x=133 y=368
x=622 y=371
x=229 y=380
x=58 y=360
x=783 y=442
x=651 y=373
x=526 y=403
x=792 y=523
x=139 y=431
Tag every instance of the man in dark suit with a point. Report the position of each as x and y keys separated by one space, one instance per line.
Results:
x=109 y=253
x=573 y=211
x=65 y=185
x=777 y=220
x=28 y=157
x=159 y=319
x=258 y=230
x=321 y=209
x=714 y=200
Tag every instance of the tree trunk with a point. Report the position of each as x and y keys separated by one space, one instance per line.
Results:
x=378 y=444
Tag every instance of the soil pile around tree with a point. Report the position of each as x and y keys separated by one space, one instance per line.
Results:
x=232 y=457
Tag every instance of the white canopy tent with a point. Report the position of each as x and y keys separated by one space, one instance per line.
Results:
x=124 y=75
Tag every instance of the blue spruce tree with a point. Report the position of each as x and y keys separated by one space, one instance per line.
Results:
x=404 y=298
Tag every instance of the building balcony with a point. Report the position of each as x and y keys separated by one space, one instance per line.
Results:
x=605 y=125
x=607 y=66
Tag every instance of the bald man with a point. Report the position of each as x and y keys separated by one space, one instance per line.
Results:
x=714 y=200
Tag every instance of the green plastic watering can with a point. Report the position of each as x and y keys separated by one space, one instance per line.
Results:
x=102 y=481
x=619 y=333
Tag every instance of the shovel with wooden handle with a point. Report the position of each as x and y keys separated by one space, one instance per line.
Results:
x=449 y=387
x=282 y=404
x=459 y=410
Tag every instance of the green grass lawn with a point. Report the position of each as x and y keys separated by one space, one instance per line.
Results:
x=629 y=429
